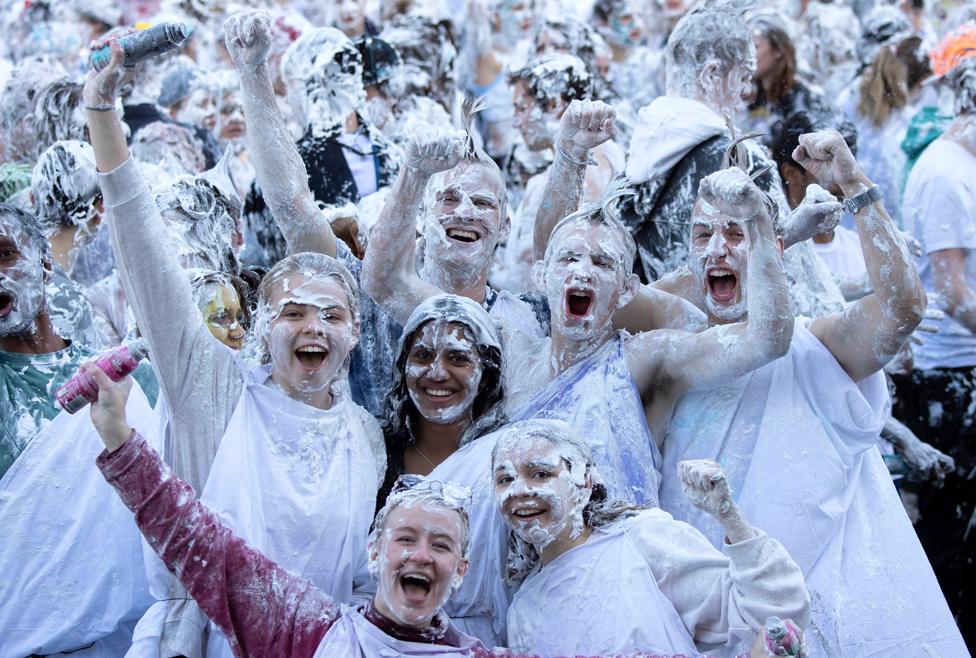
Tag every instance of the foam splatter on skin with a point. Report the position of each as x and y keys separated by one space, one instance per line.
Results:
x=220 y=307
x=585 y=281
x=718 y=258
x=464 y=225
x=417 y=555
x=540 y=490
x=21 y=280
x=308 y=330
x=443 y=372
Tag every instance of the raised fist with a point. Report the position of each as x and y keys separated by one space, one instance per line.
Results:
x=704 y=484
x=586 y=124
x=247 y=35
x=819 y=212
x=436 y=150
x=733 y=193
x=102 y=87
x=826 y=155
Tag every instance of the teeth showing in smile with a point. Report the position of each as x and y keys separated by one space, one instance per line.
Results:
x=462 y=235
x=721 y=272
x=311 y=356
x=525 y=512
x=438 y=392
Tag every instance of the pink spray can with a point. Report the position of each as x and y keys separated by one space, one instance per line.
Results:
x=80 y=390
x=784 y=638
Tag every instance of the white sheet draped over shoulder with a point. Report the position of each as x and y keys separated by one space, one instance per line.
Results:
x=598 y=397
x=71 y=554
x=353 y=636
x=798 y=440
x=299 y=484
x=650 y=583
x=480 y=606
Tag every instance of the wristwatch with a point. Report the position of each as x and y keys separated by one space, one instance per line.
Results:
x=863 y=200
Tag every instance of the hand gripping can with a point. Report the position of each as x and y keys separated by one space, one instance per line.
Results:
x=76 y=393
x=143 y=44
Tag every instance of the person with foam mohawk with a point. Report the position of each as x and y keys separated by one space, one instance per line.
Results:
x=417 y=553
x=263 y=445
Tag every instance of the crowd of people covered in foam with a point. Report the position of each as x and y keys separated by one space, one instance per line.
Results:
x=487 y=328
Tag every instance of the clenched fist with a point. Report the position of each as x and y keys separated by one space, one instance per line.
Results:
x=247 y=35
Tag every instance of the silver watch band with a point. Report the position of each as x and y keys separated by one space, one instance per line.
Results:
x=863 y=200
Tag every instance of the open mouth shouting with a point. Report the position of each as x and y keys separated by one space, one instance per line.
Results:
x=311 y=357
x=465 y=235
x=579 y=301
x=722 y=284
x=416 y=586
x=6 y=304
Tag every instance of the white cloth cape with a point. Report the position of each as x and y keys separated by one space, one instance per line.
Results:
x=480 y=605
x=797 y=439
x=598 y=397
x=352 y=636
x=563 y=609
x=71 y=553
x=298 y=484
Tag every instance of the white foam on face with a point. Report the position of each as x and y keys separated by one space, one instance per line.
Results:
x=587 y=258
x=704 y=256
x=446 y=342
x=388 y=564
x=561 y=498
x=23 y=282
x=326 y=323
x=469 y=199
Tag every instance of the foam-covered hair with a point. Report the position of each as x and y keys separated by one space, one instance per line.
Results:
x=713 y=30
x=601 y=211
x=555 y=76
x=64 y=185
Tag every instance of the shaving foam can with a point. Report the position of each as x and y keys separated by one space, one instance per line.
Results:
x=784 y=638
x=143 y=44
x=81 y=390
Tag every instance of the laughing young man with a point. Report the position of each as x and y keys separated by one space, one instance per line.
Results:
x=798 y=437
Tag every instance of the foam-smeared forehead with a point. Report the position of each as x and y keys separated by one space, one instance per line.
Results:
x=436 y=501
x=454 y=309
x=611 y=237
x=472 y=176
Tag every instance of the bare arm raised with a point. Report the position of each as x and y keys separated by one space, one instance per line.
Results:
x=731 y=218
x=389 y=269
x=584 y=125
x=871 y=330
x=279 y=167
x=675 y=361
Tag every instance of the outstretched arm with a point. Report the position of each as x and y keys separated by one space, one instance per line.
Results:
x=277 y=163
x=681 y=361
x=155 y=284
x=263 y=609
x=871 y=330
x=584 y=125
x=390 y=270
